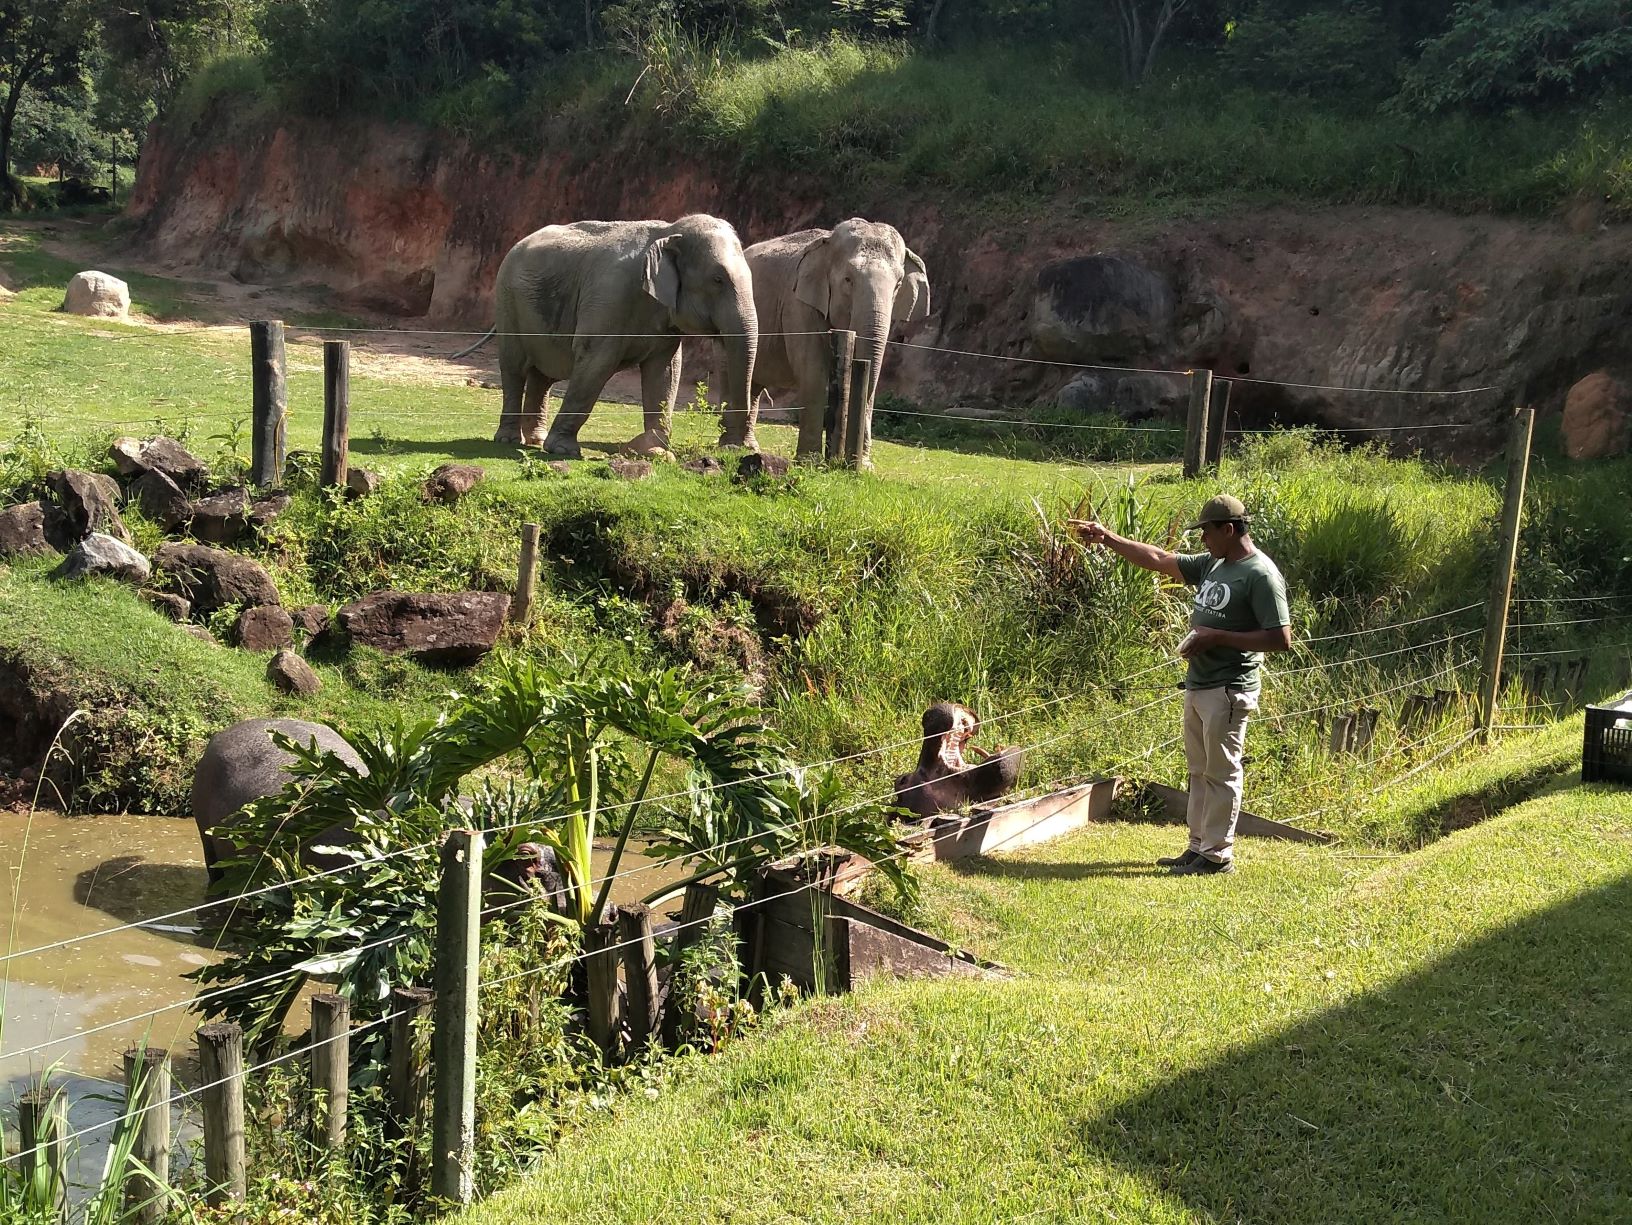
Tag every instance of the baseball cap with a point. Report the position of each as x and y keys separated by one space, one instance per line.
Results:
x=1220 y=510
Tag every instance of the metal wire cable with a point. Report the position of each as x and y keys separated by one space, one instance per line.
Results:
x=1360 y=659
x=1392 y=626
x=1376 y=693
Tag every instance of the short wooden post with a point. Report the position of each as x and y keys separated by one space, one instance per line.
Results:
x=836 y=418
x=526 y=575
x=406 y=1080
x=639 y=950
x=147 y=1103
x=1413 y=712
x=330 y=1070
x=695 y=911
x=858 y=430
x=269 y=402
x=1218 y=411
x=42 y=1117
x=1342 y=731
x=1501 y=581
x=453 y=1038
x=601 y=982
x=336 y=412
x=221 y=1065
x=1195 y=426
x=1365 y=729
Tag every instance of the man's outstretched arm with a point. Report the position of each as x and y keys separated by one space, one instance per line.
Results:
x=1145 y=556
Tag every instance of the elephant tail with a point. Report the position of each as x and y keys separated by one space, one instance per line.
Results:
x=467 y=352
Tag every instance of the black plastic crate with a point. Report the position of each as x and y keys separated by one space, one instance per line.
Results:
x=1606 y=746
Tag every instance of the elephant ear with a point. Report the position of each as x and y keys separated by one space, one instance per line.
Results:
x=810 y=282
x=663 y=272
x=912 y=296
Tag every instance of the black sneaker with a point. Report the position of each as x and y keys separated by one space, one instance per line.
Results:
x=1176 y=861
x=1202 y=866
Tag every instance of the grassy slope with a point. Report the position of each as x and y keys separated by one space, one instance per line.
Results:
x=1322 y=1037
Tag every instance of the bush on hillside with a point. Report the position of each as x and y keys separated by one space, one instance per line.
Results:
x=1498 y=55
x=1344 y=49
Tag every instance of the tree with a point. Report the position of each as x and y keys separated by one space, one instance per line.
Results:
x=1141 y=25
x=42 y=43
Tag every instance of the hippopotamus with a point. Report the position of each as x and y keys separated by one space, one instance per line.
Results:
x=943 y=781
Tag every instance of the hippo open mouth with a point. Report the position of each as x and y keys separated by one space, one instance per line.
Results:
x=944 y=781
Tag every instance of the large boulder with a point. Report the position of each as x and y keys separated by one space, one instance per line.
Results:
x=215 y=578
x=98 y=295
x=223 y=517
x=89 y=502
x=1129 y=396
x=1102 y=308
x=266 y=627
x=1597 y=417
x=292 y=674
x=103 y=555
x=360 y=482
x=455 y=628
x=34 y=529
x=162 y=500
x=159 y=454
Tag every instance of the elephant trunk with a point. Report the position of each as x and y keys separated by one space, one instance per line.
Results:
x=870 y=320
x=740 y=337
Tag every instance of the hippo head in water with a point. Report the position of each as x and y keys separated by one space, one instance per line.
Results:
x=943 y=780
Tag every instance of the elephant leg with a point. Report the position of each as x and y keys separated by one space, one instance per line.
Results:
x=532 y=407
x=659 y=388
x=513 y=368
x=810 y=362
x=592 y=364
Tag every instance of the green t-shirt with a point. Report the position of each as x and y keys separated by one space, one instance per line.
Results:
x=1244 y=595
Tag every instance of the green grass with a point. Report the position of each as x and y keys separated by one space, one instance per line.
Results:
x=1020 y=129
x=866 y=598
x=1322 y=1037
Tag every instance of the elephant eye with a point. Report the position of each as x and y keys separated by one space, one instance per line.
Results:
x=719 y=278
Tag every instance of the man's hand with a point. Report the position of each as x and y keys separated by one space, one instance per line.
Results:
x=1089 y=531
x=1198 y=640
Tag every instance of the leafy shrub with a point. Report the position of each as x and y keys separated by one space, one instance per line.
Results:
x=1501 y=54
x=1346 y=48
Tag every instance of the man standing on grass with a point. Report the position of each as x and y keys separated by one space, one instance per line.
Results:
x=1239 y=613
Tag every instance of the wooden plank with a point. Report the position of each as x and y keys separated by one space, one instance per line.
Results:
x=989 y=831
x=1177 y=802
x=865 y=951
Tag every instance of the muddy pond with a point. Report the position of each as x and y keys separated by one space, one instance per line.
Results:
x=85 y=999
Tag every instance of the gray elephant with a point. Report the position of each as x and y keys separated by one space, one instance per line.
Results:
x=578 y=302
x=858 y=276
x=240 y=764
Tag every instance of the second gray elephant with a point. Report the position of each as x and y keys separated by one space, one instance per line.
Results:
x=858 y=276
x=579 y=302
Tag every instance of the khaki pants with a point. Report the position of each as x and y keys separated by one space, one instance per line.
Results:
x=1215 y=731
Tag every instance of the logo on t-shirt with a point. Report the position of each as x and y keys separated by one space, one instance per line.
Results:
x=1213 y=596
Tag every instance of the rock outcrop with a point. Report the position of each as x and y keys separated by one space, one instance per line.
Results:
x=215 y=578
x=1597 y=417
x=100 y=554
x=445 y=629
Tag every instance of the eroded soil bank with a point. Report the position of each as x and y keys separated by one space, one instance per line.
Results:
x=412 y=224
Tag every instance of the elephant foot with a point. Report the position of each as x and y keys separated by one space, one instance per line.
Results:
x=649 y=444
x=746 y=443
x=509 y=434
x=566 y=448
x=533 y=438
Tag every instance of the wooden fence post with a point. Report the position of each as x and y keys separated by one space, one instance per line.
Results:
x=453 y=1039
x=1195 y=425
x=42 y=1118
x=1501 y=582
x=147 y=1095
x=1218 y=410
x=406 y=1080
x=526 y=575
x=836 y=419
x=1342 y=734
x=858 y=430
x=221 y=1064
x=695 y=912
x=1365 y=728
x=601 y=981
x=269 y=402
x=639 y=972
x=336 y=412
x=330 y=1070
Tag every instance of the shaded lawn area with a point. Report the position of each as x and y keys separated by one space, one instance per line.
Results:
x=1323 y=1037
